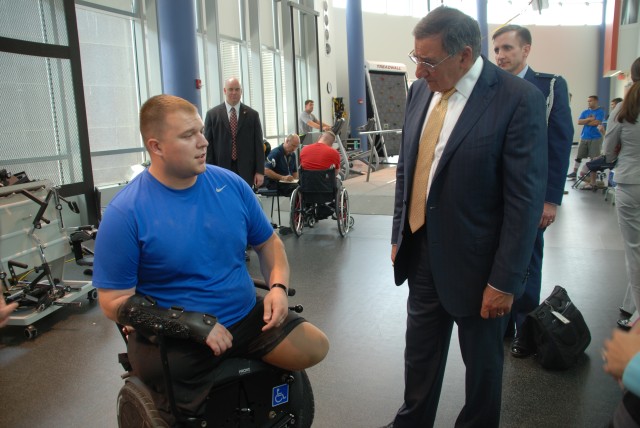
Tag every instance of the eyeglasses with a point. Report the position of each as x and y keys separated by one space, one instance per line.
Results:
x=430 y=67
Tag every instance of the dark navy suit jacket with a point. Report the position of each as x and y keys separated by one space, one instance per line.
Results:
x=559 y=133
x=487 y=193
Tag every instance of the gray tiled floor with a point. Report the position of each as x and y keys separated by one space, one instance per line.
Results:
x=69 y=376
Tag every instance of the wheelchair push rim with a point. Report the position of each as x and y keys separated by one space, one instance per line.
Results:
x=343 y=214
x=296 y=212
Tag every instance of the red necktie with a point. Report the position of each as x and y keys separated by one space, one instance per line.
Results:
x=233 y=122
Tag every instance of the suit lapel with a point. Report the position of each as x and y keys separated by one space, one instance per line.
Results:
x=529 y=75
x=416 y=116
x=225 y=117
x=242 y=115
x=482 y=94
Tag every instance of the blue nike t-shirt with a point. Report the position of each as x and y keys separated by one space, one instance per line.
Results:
x=186 y=247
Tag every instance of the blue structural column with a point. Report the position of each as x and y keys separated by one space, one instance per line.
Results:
x=355 y=51
x=481 y=6
x=603 y=83
x=179 y=49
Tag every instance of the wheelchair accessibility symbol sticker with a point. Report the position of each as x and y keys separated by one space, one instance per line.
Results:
x=280 y=395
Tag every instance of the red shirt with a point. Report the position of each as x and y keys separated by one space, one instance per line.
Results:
x=319 y=156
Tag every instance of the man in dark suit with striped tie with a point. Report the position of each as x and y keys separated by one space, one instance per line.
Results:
x=234 y=133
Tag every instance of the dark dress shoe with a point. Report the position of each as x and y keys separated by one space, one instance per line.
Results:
x=625 y=324
x=246 y=256
x=519 y=348
x=390 y=425
x=624 y=312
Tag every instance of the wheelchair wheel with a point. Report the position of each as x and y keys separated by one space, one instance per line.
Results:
x=302 y=401
x=342 y=212
x=136 y=408
x=297 y=212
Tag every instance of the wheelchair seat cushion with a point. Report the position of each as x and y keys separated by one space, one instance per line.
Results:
x=600 y=164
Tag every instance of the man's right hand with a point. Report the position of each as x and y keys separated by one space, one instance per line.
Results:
x=394 y=250
x=219 y=339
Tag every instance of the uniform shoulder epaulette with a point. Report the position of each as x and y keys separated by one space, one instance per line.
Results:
x=546 y=75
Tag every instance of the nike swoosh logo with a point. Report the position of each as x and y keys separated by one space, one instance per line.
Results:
x=220 y=189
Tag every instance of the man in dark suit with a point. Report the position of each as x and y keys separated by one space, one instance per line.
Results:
x=242 y=153
x=467 y=257
x=512 y=45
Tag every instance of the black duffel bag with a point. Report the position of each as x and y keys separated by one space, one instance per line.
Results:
x=556 y=331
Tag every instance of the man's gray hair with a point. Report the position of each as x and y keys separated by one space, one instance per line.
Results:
x=456 y=29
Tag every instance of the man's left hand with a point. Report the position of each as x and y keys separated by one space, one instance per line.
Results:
x=258 y=179
x=495 y=303
x=548 y=215
x=276 y=308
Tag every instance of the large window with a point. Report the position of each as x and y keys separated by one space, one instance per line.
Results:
x=629 y=12
x=108 y=46
x=270 y=117
x=559 y=12
x=40 y=133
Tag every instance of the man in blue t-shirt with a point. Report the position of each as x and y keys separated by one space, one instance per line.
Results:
x=281 y=165
x=590 y=139
x=177 y=234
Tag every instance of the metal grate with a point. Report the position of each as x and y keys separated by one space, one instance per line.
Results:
x=34 y=21
x=38 y=124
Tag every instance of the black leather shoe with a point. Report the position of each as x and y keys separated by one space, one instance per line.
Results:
x=519 y=348
x=625 y=324
x=390 y=425
x=624 y=313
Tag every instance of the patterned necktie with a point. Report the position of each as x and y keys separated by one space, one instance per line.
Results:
x=426 y=150
x=233 y=122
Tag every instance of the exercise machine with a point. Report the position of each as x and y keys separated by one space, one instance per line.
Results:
x=33 y=248
x=386 y=99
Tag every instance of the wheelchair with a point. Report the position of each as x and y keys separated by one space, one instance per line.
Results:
x=319 y=196
x=245 y=393
x=599 y=166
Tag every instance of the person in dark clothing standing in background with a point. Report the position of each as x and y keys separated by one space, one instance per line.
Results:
x=234 y=133
x=512 y=45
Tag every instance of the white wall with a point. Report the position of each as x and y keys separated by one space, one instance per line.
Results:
x=569 y=51
x=328 y=62
x=572 y=53
x=386 y=38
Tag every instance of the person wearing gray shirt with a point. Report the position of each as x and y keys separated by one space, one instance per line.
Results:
x=307 y=122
